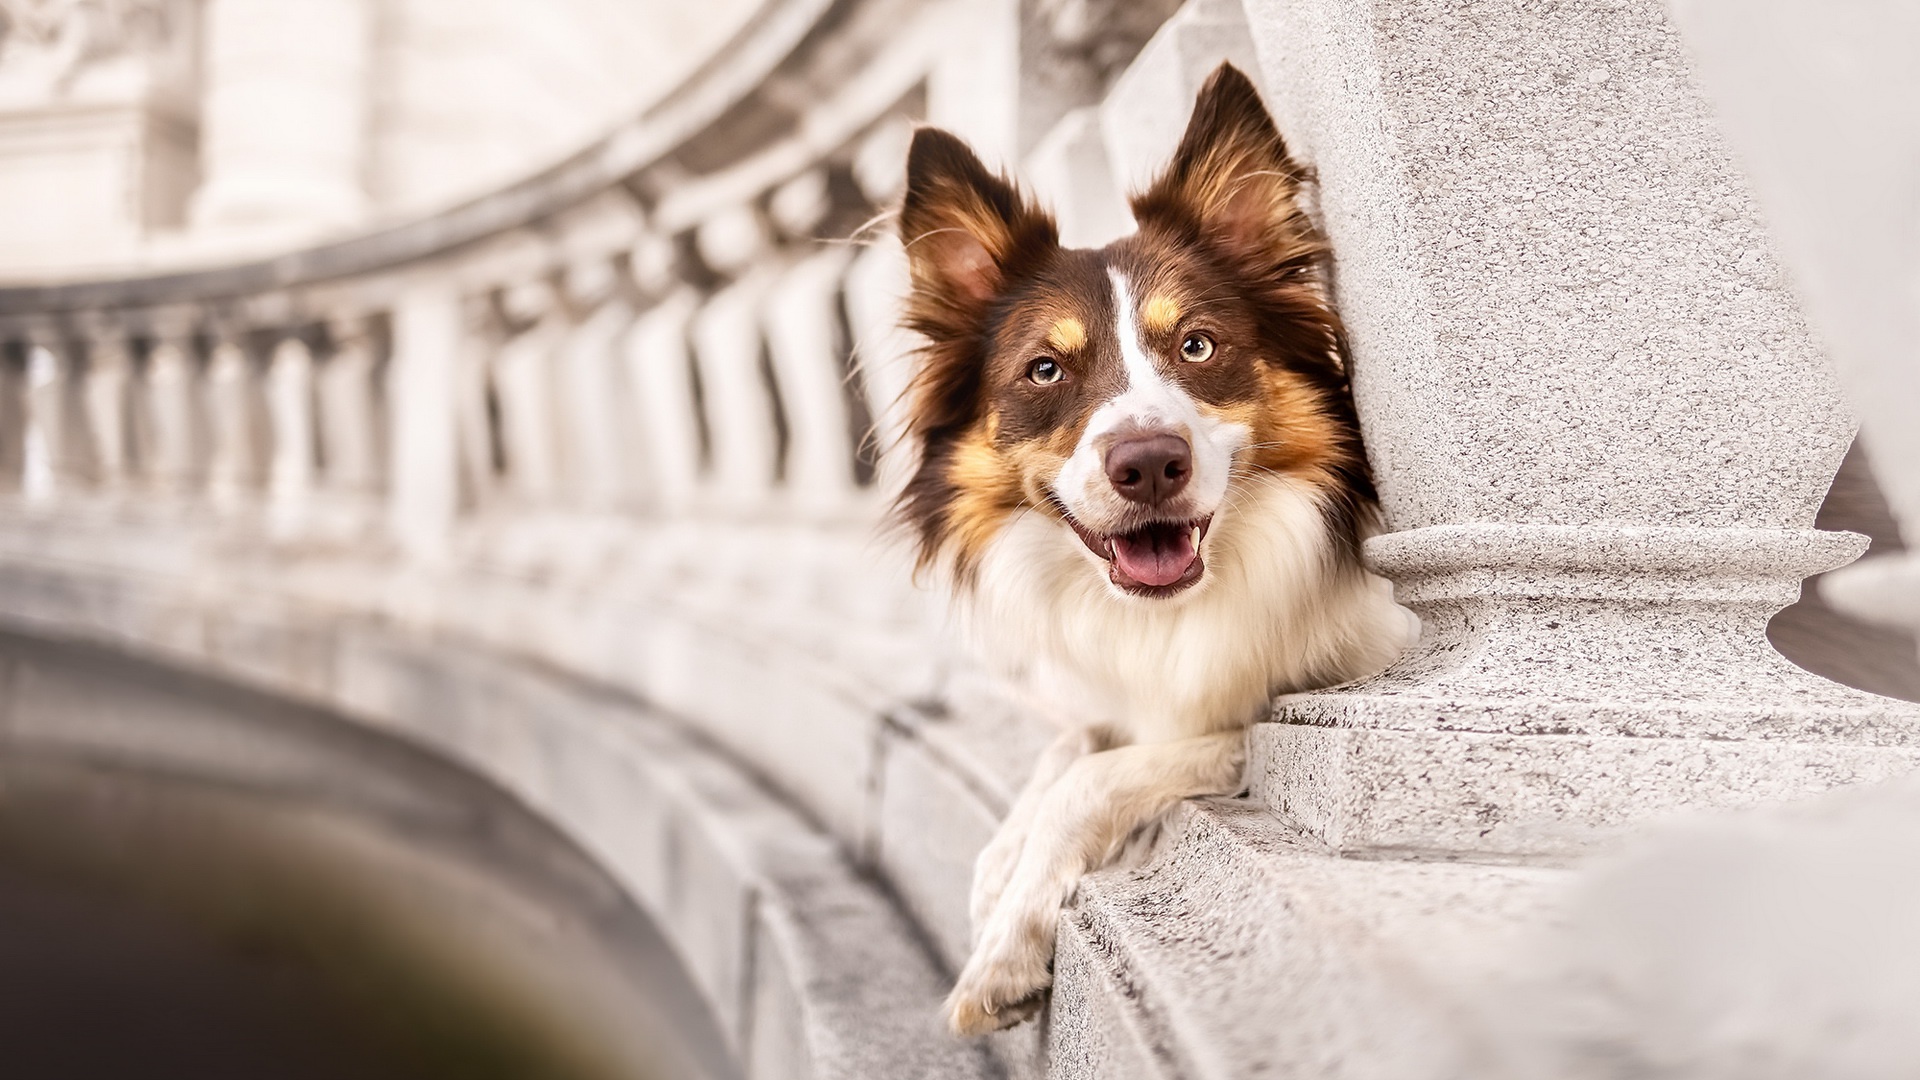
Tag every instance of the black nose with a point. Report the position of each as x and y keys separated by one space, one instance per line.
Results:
x=1149 y=469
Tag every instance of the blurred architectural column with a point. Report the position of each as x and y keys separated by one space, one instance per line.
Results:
x=290 y=408
x=47 y=466
x=665 y=408
x=1823 y=103
x=235 y=424
x=1600 y=426
x=106 y=404
x=348 y=391
x=174 y=412
x=744 y=418
x=429 y=331
x=524 y=375
x=592 y=390
x=285 y=114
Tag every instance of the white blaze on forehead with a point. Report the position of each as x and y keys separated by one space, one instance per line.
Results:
x=1148 y=396
x=1152 y=400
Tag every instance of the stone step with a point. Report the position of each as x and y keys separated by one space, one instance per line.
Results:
x=1493 y=794
x=1245 y=949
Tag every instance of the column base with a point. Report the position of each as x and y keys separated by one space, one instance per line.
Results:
x=1571 y=681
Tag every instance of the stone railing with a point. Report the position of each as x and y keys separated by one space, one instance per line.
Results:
x=600 y=434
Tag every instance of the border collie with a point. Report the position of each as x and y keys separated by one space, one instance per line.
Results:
x=1140 y=472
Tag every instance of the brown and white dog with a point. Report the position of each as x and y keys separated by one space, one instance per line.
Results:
x=1141 y=473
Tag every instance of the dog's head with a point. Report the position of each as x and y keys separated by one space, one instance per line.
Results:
x=1126 y=392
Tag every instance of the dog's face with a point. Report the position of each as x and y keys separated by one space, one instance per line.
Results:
x=1126 y=392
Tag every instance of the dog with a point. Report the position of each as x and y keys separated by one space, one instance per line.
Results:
x=1139 y=470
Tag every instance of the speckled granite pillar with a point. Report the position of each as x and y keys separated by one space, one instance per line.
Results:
x=1600 y=426
x=1799 y=90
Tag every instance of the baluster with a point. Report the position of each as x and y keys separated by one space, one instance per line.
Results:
x=523 y=377
x=290 y=406
x=174 y=414
x=592 y=387
x=481 y=458
x=424 y=489
x=745 y=425
x=235 y=414
x=660 y=373
x=48 y=463
x=106 y=404
x=347 y=388
x=876 y=289
x=805 y=342
x=13 y=414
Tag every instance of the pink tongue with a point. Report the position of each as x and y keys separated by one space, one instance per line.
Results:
x=1155 y=556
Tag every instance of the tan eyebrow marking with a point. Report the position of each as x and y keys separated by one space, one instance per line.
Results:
x=1159 y=313
x=1067 y=335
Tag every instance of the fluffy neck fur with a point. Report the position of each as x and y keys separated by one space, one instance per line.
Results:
x=1285 y=607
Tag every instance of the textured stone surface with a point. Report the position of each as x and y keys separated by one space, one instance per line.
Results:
x=1563 y=306
x=1244 y=950
x=1599 y=423
x=763 y=907
x=1362 y=790
x=1796 y=90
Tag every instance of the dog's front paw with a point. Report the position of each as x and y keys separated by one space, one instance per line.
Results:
x=991 y=872
x=994 y=1000
x=1005 y=980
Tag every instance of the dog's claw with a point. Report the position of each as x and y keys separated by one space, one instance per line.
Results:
x=967 y=1016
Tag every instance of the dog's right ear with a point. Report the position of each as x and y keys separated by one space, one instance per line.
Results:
x=963 y=228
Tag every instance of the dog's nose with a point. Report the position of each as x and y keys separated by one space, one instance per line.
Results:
x=1149 y=469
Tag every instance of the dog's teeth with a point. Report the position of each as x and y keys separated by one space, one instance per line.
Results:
x=1195 y=530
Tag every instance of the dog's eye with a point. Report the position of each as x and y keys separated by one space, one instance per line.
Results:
x=1046 y=371
x=1196 y=348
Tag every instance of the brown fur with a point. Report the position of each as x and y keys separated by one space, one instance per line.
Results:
x=1223 y=248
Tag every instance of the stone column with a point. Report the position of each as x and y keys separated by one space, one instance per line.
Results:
x=424 y=493
x=1823 y=104
x=523 y=378
x=285 y=114
x=809 y=360
x=175 y=413
x=806 y=347
x=743 y=418
x=235 y=422
x=592 y=389
x=666 y=411
x=876 y=286
x=1600 y=427
x=290 y=408
x=348 y=394
x=105 y=399
x=45 y=426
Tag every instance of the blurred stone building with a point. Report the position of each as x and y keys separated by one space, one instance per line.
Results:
x=170 y=132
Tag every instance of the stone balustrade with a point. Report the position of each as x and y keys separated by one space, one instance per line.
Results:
x=603 y=435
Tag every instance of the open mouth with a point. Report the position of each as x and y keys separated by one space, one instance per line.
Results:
x=1157 y=559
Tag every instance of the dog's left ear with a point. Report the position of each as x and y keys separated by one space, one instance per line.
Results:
x=1231 y=182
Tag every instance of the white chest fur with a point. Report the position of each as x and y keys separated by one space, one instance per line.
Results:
x=1278 y=610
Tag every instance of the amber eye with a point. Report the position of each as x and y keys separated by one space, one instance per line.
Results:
x=1046 y=371
x=1197 y=348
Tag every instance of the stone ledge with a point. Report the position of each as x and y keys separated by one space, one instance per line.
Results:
x=1362 y=790
x=1189 y=966
x=846 y=990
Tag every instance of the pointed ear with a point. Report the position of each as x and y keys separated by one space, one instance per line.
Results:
x=1232 y=183
x=963 y=226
